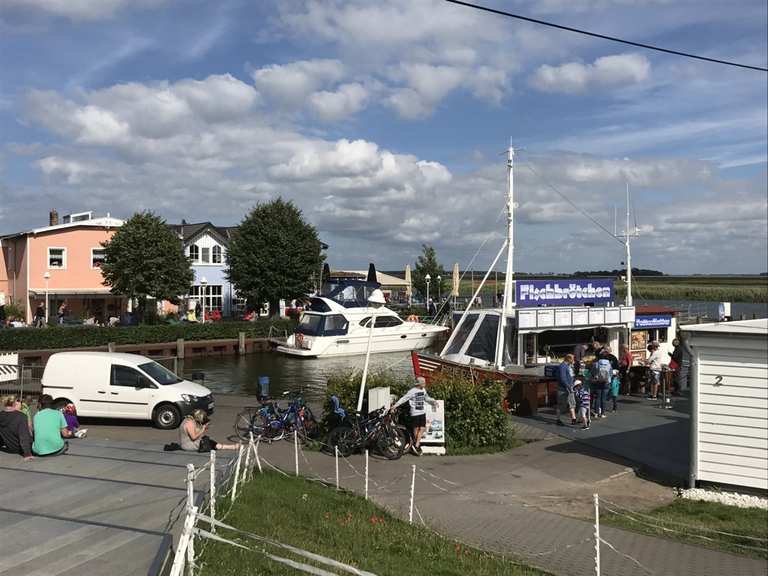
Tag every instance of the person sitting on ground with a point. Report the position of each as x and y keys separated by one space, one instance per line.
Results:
x=14 y=430
x=416 y=397
x=565 y=398
x=192 y=434
x=73 y=424
x=583 y=401
x=27 y=411
x=50 y=429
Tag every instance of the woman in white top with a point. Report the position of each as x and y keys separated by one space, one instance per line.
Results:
x=654 y=362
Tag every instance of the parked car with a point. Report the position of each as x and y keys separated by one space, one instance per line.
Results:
x=114 y=385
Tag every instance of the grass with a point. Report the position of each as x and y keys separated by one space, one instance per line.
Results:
x=701 y=519
x=341 y=526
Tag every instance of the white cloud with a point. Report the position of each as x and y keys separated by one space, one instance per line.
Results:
x=619 y=70
x=291 y=84
x=346 y=100
x=77 y=10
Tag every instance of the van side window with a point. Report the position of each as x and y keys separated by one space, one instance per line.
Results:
x=125 y=376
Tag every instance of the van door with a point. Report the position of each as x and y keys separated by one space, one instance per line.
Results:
x=130 y=392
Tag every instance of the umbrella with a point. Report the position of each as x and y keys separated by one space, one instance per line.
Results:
x=455 y=288
x=409 y=287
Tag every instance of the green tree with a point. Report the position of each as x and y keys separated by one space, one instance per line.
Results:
x=145 y=259
x=274 y=254
x=427 y=264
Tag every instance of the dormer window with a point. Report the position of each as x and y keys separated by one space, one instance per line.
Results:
x=216 y=255
x=194 y=252
x=206 y=259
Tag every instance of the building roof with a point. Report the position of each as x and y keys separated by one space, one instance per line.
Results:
x=105 y=222
x=757 y=327
x=187 y=231
x=381 y=277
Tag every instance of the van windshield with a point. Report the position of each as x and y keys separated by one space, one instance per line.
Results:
x=159 y=373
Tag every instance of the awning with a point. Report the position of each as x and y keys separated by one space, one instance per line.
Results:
x=90 y=293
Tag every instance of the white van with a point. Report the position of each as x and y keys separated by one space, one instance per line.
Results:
x=113 y=385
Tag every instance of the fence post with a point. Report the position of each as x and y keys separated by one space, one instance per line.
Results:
x=336 y=453
x=190 y=486
x=181 y=549
x=256 y=454
x=296 y=452
x=180 y=348
x=413 y=486
x=237 y=473
x=597 y=536
x=212 y=490
x=191 y=544
x=247 y=468
x=366 y=474
x=110 y=346
x=176 y=365
x=241 y=342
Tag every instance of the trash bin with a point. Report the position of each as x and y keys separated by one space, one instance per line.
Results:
x=264 y=386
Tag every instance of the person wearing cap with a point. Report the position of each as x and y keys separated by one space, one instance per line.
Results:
x=417 y=416
x=654 y=363
x=192 y=434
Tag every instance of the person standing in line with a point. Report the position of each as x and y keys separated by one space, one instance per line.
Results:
x=675 y=363
x=655 y=365
x=578 y=357
x=50 y=428
x=416 y=397
x=625 y=363
x=565 y=397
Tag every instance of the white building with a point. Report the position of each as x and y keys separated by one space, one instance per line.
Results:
x=729 y=402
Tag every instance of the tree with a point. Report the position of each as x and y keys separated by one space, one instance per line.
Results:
x=145 y=259
x=427 y=264
x=274 y=254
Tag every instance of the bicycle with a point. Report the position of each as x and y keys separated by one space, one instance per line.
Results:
x=269 y=422
x=377 y=430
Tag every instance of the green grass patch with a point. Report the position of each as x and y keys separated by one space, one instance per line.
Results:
x=703 y=524
x=340 y=526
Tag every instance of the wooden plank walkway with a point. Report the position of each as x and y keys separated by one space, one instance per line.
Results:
x=106 y=507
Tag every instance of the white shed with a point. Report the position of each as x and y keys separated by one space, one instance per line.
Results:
x=729 y=402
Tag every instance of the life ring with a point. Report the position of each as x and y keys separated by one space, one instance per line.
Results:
x=412 y=318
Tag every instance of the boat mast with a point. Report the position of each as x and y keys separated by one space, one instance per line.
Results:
x=508 y=301
x=628 y=256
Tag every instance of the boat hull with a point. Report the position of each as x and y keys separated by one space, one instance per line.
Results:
x=358 y=345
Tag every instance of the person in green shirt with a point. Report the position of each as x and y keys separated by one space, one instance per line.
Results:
x=50 y=429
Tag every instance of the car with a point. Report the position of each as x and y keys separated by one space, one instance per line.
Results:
x=116 y=385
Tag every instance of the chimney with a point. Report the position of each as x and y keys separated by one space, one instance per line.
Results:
x=53 y=218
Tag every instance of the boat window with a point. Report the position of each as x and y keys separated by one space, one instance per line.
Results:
x=483 y=345
x=318 y=305
x=461 y=334
x=335 y=325
x=310 y=325
x=381 y=321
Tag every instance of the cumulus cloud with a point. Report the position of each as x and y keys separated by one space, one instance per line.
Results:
x=346 y=100
x=619 y=70
x=291 y=84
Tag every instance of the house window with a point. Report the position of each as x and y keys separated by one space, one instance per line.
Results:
x=57 y=257
x=213 y=296
x=97 y=257
x=194 y=253
x=206 y=256
x=216 y=255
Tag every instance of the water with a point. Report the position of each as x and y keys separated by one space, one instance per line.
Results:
x=709 y=309
x=239 y=374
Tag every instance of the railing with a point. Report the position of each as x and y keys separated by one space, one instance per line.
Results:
x=19 y=380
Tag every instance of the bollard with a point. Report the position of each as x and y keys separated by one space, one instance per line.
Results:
x=241 y=343
x=190 y=486
x=212 y=489
x=237 y=473
x=110 y=346
x=413 y=486
x=336 y=452
x=366 y=474
x=597 y=536
x=180 y=348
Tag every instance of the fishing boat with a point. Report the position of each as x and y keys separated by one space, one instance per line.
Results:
x=337 y=322
x=537 y=322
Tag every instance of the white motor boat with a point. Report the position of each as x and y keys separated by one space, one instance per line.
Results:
x=338 y=324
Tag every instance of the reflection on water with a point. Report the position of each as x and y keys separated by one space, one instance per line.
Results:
x=239 y=374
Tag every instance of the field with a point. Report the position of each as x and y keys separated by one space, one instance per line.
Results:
x=340 y=526
x=710 y=524
x=696 y=288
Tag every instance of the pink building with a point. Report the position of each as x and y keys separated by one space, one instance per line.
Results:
x=61 y=263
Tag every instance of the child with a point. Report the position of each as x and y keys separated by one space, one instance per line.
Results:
x=73 y=425
x=614 y=391
x=582 y=401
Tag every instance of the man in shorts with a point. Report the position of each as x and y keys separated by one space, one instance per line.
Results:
x=565 y=397
x=416 y=397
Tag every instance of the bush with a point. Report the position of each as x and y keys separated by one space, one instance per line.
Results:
x=474 y=418
x=17 y=339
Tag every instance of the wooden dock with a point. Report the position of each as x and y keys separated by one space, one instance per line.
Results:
x=107 y=507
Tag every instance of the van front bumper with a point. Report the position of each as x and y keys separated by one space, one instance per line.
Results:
x=205 y=403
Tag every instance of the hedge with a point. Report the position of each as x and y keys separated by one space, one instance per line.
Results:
x=474 y=417
x=17 y=339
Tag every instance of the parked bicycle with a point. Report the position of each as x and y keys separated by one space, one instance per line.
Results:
x=270 y=422
x=377 y=430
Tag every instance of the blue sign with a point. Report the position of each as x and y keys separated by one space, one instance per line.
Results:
x=563 y=292
x=655 y=321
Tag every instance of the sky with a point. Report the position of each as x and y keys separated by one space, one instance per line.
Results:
x=387 y=123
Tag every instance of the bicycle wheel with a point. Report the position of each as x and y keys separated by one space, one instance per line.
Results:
x=391 y=442
x=307 y=425
x=343 y=438
x=248 y=422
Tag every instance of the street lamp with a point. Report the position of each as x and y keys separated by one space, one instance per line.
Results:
x=46 y=277
x=439 y=282
x=375 y=300
x=427 y=278
x=203 y=285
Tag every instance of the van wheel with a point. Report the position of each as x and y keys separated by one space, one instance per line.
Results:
x=166 y=417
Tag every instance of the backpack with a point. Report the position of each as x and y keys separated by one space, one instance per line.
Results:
x=603 y=372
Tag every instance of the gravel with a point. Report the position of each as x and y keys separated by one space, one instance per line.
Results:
x=727 y=498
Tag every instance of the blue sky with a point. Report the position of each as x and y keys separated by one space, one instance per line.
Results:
x=386 y=122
